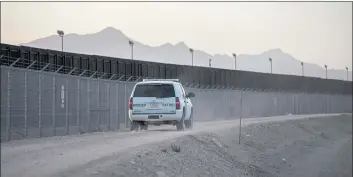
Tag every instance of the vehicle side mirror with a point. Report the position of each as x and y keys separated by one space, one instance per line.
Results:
x=190 y=95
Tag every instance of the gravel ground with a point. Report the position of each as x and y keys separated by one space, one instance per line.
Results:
x=274 y=146
x=307 y=148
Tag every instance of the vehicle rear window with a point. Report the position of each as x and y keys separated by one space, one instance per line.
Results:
x=154 y=90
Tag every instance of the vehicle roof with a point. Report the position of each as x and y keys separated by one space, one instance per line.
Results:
x=158 y=82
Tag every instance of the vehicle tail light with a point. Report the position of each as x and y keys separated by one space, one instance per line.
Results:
x=177 y=103
x=130 y=103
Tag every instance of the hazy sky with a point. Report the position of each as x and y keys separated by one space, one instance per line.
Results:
x=316 y=32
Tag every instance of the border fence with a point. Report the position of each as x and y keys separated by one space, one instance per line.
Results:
x=106 y=67
x=41 y=100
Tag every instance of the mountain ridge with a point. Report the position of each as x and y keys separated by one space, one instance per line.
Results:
x=113 y=42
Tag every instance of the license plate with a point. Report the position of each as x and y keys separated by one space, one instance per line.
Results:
x=153 y=117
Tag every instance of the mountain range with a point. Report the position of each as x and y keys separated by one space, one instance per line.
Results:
x=112 y=42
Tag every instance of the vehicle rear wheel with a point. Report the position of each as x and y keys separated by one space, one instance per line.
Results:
x=191 y=119
x=181 y=124
x=135 y=126
x=189 y=123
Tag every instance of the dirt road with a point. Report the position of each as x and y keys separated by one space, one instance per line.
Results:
x=147 y=153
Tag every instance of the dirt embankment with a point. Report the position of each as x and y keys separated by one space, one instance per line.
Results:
x=307 y=148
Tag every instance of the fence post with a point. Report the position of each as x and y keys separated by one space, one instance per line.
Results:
x=26 y=105
x=89 y=104
x=293 y=106
x=326 y=103
x=329 y=103
x=116 y=107
x=66 y=107
x=8 y=105
x=309 y=97
x=274 y=93
x=40 y=104
x=78 y=106
x=241 y=113
x=323 y=102
x=250 y=94
x=318 y=101
x=295 y=103
x=125 y=106
x=54 y=106
x=99 y=105
x=108 y=97
x=285 y=102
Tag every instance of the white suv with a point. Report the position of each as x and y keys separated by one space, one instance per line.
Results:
x=160 y=101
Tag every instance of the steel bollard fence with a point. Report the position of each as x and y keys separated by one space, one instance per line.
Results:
x=98 y=108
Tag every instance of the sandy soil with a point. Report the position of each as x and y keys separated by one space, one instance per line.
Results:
x=274 y=146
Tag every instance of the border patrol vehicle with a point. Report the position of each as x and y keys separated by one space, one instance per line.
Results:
x=160 y=101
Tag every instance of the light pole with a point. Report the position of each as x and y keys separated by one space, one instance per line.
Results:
x=347 y=72
x=326 y=70
x=302 y=63
x=270 y=59
x=209 y=62
x=192 y=56
x=131 y=43
x=61 y=34
x=235 y=61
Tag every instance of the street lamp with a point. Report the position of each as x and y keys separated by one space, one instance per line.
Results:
x=347 y=72
x=270 y=59
x=131 y=43
x=209 y=62
x=302 y=63
x=192 y=56
x=235 y=61
x=61 y=34
x=326 y=70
